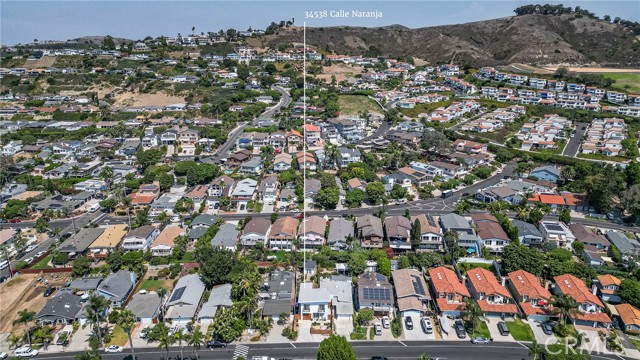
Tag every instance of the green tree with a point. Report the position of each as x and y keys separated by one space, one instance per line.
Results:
x=354 y=198
x=472 y=314
x=196 y=340
x=577 y=247
x=164 y=340
x=535 y=350
x=329 y=197
x=127 y=322
x=42 y=224
x=95 y=308
x=179 y=336
x=109 y=204
x=108 y=43
x=25 y=317
x=630 y=292
x=375 y=192
x=215 y=265
x=516 y=256
x=80 y=267
x=365 y=315
x=565 y=304
x=336 y=347
x=89 y=355
x=565 y=215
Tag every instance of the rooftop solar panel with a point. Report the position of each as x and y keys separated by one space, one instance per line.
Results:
x=177 y=294
x=377 y=294
x=417 y=285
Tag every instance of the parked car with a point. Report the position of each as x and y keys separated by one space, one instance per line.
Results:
x=113 y=349
x=49 y=291
x=40 y=253
x=379 y=358
x=460 y=331
x=15 y=221
x=385 y=322
x=30 y=248
x=4 y=355
x=408 y=323
x=426 y=325
x=547 y=328
x=378 y=329
x=216 y=344
x=502 y=327
x=26 y=352
x=480 y=340
x=29 y=260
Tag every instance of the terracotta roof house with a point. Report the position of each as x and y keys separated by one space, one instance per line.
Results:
x=146 y=194
x=493 y=298
x=164 y=243
x=590 y=308
x=608 y=287
x=198 y=193
x=630 y=317
x=531 y=296
x=283 y=234
x=412 y=294
x=369 y=229
x=311 y=232
x=397 y=229
x=448 y=290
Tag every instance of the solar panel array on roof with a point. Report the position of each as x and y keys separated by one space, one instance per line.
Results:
x=177 y=294
x=554 y=227
x=431 y=221
x=417 y=285
x=377 y=294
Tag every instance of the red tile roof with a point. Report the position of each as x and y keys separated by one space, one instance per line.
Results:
x=575 y=288
x=497 y=308
x=446 y=281
x=483 y=281
x=526 y=283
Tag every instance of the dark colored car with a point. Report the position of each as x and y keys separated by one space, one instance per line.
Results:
x=460 y=331
x=379 y=358
x=547 y=328
x=408 y=323
x=502 y=327
x=14 y=221
x=49 y=291
x=216 y=344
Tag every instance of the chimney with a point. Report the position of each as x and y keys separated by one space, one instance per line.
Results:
x=503 y=280
x=594 y=289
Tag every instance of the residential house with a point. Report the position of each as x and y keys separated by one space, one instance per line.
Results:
x=244 y=190
x=116 y=287
x=204 y=221
x=268 y=189
x=146 y=194
x=145 y=307
x=490 y=232
x=109 y=240
x=78 y=244
x=431 y=237
x=369 y=230
x=279 y=294
x=592 y=256
x=306 y=160
x=255 y=231
x=221 y=186
x=140 y=238
x=532 y=298
x=185 y=299
x=197 y=194
x=332 y=300
x=375 y=292
x=608 y=288
x=312 y=188
x=493 y=298
x=557 y=232
x=588 y=237
x=339 y=232
x=12 y=189
x=590 y=308
x=311 y=233
x=449 y=291
x=630 y=318
x=64 y=307
x=283 y=234
x=164 y=243
x=627 y=246
x=226 y=237
x=252 y=166
x=219 y=297
x=312 y=134
x=282 y=162
x=347 y=156
x=528 y=234
x=547 y=172
x=398 y=232
x=412 y=295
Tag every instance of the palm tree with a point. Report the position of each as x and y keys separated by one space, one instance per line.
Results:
x=88 y=355
x=535 y=350
x=473 y=313
x=165 y=341
x=196 y=340
x=25 y=317
x=565 y=304
x=127 y=322
x=95 y=311
x=43 y=336
x=522 y=213
x=14 y=340
x=179 y=337
x=106 y=174
x=162 y=292
x=579 y=340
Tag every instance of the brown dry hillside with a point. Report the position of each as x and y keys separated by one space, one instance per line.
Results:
x=532 y=39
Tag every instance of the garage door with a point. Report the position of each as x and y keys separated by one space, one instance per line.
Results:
x=414 y=313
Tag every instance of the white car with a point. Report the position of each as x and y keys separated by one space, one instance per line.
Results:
x=113 y=349
x=40 y=253
x=29 y=260
x=385 y=322
x=30 y=248
x=26 y=352
x=4 y=355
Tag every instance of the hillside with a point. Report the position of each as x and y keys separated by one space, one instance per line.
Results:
x=532 y=38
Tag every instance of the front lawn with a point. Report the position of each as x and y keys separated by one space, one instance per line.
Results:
x=520 y=331
x=44 y=263
x=119 y=336
x=153 y=285
x=636 y=343
x=481 y=329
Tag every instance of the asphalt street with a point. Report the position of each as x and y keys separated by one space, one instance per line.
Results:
x=574 y=143
x=393 y=350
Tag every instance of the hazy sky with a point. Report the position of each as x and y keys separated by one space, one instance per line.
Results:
x=25 y=20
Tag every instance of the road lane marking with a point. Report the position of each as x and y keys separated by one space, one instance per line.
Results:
x=403 y=344
x=293 y=345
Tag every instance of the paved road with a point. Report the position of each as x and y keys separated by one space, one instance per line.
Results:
x=284 y=102
x=574 y=143
x=67 y=228
x=223 y=150
x=393 y=350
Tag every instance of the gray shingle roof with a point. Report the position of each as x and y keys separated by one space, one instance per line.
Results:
x=454 y=221
x=624 y=244
x=81 y=241
x=116 y=286
x=144 y=305
x=227 y=236
x=339 y=230
x=63 y=305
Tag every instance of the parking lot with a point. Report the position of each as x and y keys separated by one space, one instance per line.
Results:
x=417 y=333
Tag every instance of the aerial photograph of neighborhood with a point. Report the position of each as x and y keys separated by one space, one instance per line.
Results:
x=330 y=180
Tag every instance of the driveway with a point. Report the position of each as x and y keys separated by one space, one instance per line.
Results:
x=266 y=208
x=417 y=333
x=304 y=332
x=450 y=334
x=275 y=335
x=344 y=327
x=541 y=337
x=592 y=339
x=79 y=339
x=492 y=324
x=574 y=143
